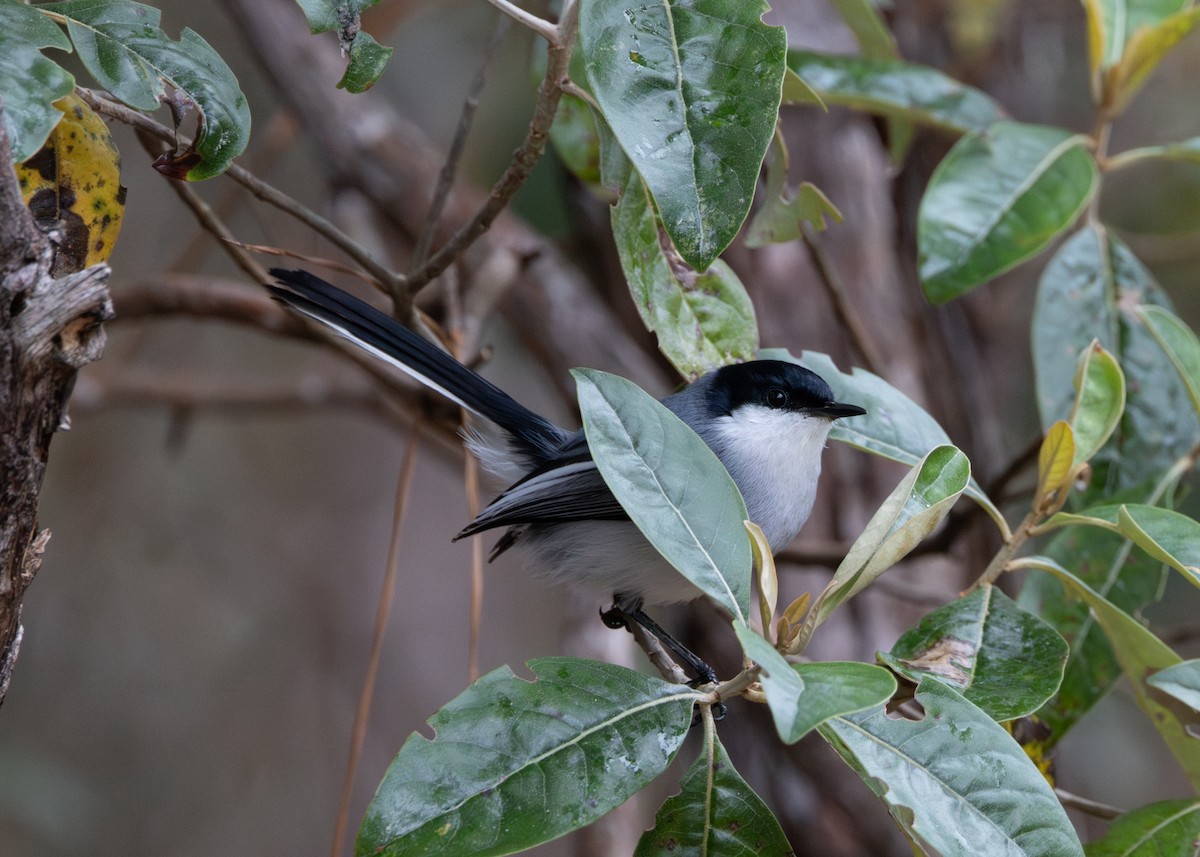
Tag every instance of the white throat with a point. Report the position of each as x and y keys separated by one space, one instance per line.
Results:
x=774 y=456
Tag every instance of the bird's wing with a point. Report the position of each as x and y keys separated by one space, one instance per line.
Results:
x=569 y=491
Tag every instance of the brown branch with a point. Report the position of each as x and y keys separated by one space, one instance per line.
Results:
x=189 y=392
x=549 y=92
x=261 y=189
x=49 y=328
x=450 y=168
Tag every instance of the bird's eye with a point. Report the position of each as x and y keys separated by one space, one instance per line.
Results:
x=777 y=398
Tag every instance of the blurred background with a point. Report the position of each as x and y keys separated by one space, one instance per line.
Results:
x=221 y=509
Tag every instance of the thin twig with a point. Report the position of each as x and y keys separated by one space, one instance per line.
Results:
x=450 y=168
x=471 y=478
x=208 y=218
x=1085 y=805
x=541 y=26
x=658 y=656
x=841 y=305
x=132 y=389
x=386 y=596
x=266 y=192
x=558 y=59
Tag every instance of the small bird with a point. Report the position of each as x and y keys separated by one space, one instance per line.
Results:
x=766 y=420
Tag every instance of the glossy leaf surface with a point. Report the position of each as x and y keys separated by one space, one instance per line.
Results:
x=1141 y=655
x=29 y=80
x=956 y=779
x=715 y=814
x=1127 y=577
x=671 y=484
x=368 y=59
x=124 y=48
x=897 y=89
x=702 y=320
x=1180 y=344
x=1091 y=289
x=691 y=89
x=996 y=199
x=515 y=763
x=1099 y=401
x=1000 y=657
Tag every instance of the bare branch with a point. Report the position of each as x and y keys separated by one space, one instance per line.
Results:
x=446 y=176
x=549 y=93
x=541 y=26
x=261 y=189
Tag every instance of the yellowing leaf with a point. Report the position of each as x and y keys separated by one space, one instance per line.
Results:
x=764 y=572
x=1143 y=52
x=1055 y=460
x=73 y=186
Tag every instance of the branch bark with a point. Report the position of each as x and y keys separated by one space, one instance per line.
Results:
x=49 y=328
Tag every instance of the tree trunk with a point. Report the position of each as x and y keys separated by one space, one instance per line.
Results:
x=49 y=328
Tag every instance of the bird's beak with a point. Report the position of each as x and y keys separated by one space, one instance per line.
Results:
x=837 y=410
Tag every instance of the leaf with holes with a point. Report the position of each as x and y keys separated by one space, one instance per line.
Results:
x=29 y=80
x=1003 y=659
x=956 y=779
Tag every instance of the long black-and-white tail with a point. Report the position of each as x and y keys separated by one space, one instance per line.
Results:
x=378 y=333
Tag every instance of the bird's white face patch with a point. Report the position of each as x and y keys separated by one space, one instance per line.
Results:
x=779 y=453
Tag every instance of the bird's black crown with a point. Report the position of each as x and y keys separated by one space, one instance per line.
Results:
x=770 y=383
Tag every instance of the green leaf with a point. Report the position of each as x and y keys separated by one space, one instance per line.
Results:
x=1128 y=579
x=367 y=61
x=1187 y=151
x=956 y=779
x=1182 y=682
x=1099 y=401
x=123 y=47
x=999 y=198
x=1003 y=659
x=715 y=814
x=895 y=427
x=691 y=89
x=1144 y=50
x=671 y=484
x=324 y=15
x=1141 y=655
x=803 y=696
x=1167 y=829
x=1092 y=288
x=28 y=80
x=914 y=508
x=516 y=763
x=1115 y=22
x=896 y=89
x=783 y=213
x=367 y=58
x=870 y=30
x=1165 y=535
x=1180 y=344
x=702 y=320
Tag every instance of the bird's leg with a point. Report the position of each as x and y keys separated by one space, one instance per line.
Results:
x=619 y=616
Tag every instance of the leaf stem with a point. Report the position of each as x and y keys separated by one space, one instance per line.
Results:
x=1004 y=557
